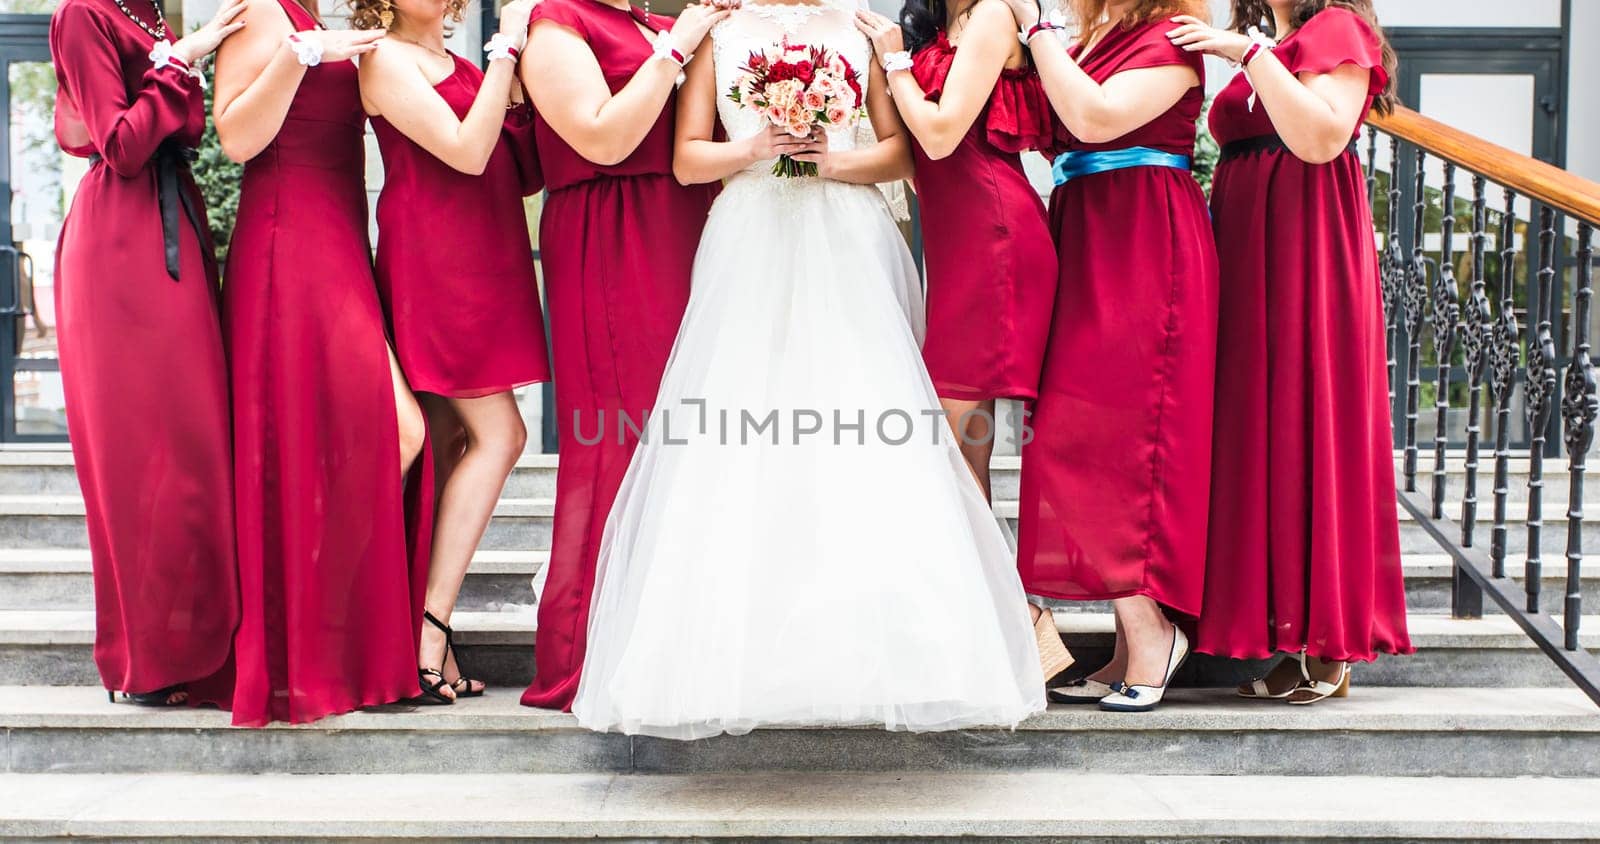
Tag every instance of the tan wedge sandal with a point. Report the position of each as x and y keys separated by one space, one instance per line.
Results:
x=1054 y=657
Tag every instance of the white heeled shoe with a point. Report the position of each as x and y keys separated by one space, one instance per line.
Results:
x=1126 y=698
x=1079 y=691
x=1259 y=690
x=1311 y=691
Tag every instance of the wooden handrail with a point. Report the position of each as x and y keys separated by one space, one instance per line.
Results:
x=1529 y=177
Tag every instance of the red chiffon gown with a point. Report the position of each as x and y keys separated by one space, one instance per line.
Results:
x=986 y=241
x=617 y=244
x=1305 y=546
x=142 y=361
x=464 y=307
x=1116 y=479
x=333 y=542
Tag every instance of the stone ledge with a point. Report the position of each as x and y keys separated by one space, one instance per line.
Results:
x=1064 y=806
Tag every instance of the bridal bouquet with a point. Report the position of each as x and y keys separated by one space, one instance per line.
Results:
x=801 y=89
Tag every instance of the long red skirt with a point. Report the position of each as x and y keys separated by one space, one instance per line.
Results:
x=1304 y=542
x=147 y=409
x=617 y=256
x=1116 y=479
x=333 y=543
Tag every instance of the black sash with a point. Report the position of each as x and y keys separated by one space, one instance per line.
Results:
x=1260 y=143
x=171 y=160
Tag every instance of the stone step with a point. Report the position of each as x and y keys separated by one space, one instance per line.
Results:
x=891 y=806
x=59 y=579
x=55 y=648
x=522 y=524
x=1380 y=731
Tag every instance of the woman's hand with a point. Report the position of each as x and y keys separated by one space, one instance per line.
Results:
x=205 y=40
x=514 y=20
x=1197 y=36
x=343 y=44
x=1026 y=12
x=694 y=22
x=772 y=142
x=884 y=33
x=814 y=150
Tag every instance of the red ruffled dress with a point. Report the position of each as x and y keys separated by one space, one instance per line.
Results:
x=1305 y=546
x=986 y=240
x=142 y=361
x=1116 y=479
x=617 y=243
x=463 y=304
x=333 y=541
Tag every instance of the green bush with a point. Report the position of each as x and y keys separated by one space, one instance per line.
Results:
x=218 y=178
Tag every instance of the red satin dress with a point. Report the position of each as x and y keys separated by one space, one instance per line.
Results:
x=1305 y=545
x=142 y=361
x=333 y=542
x=617 y=244
x=986 y=240
x=464 y=303
x=1116 y=479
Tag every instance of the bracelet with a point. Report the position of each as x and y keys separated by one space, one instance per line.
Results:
x=307 y=52
x=161 y=56
x=501 y=47
x=897 y=60
x=1258 y=42
x=662 y=49
x=1048 y=23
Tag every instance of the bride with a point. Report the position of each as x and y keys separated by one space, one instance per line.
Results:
x=798 y=540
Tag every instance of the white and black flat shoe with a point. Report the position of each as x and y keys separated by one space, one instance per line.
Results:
x=1126 y=698
x=1079 y=691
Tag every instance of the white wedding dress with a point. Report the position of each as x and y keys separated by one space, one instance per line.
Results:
x=831 y=578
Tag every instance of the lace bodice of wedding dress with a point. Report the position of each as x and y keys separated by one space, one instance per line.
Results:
x=755 y=26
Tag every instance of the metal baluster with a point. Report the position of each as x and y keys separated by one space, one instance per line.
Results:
x=1446 y=325
x=1392 y=267
x=1579 y=406
x=1413 y=297
x=1476 y=335
x=1503 y=347
x=1541 y=390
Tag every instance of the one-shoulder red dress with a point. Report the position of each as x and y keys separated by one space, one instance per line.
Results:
x=333 y=541
x=1305 y=545
x=617 y=243
x=1116 y=480
x=141 y=351
x=990 y=262
x=463 y=303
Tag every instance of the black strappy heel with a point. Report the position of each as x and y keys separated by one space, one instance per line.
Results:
x=159 y=698
x=431 y=696
x=463 y=683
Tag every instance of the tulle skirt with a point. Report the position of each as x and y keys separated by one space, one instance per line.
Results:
x=798 y=541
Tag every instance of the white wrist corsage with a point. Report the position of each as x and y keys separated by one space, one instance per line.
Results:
x=502 y=47
x=161 y=56
x=662 y=48
x=1052 y=21
x=306 y=51
x=897 y=60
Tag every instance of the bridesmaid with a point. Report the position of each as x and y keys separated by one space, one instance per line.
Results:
x=156 y=492
x=619 y=235
x=1115 y=482
x=962 y=84
x=333 y=539
x=465 y=308
x=1304 y=549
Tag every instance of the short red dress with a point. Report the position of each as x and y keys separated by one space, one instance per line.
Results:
x=142 y=361
x=1116 y=479
x=333 y=541
x=986 y=240
x=463 y=304
x=1305 y=546
x=617 y=244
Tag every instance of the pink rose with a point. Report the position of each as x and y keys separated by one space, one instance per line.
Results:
x=838 y=115
x=815 y=100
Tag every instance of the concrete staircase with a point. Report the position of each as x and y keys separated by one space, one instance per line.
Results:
x=1476 y=737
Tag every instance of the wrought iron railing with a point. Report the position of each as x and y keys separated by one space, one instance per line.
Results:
x=1461 y=338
